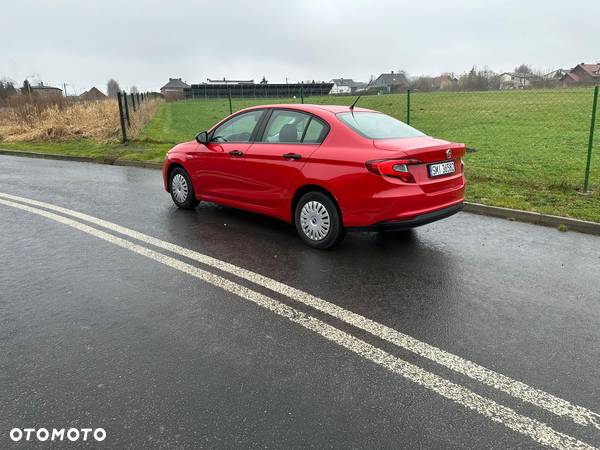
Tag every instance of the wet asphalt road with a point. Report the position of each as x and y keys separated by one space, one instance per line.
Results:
x=94 y=335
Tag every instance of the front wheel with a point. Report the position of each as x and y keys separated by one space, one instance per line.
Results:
x=181 y=189
x=317 y=220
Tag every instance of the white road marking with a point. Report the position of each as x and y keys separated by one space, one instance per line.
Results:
x=515 y=388
x=536 y=430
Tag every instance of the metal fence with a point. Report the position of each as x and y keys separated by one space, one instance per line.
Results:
x=128 y=105
x=253 y=90
x=516 y=133
x=550 y=131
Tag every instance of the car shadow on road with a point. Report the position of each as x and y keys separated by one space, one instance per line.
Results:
x=211 y=217
x=356 y=274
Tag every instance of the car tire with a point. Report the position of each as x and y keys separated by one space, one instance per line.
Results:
x=182 y=190
x=318 y=221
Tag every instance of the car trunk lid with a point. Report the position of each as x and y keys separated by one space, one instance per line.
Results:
x=427 y=151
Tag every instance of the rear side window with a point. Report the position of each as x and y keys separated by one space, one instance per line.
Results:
x=286 y=127
x=315 y=133
x=294 y=127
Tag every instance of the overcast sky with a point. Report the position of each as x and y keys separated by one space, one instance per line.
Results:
x=143 y=43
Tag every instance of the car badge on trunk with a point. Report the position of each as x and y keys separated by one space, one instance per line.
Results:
x=449 y=153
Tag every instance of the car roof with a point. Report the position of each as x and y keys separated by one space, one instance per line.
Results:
x=334 y=109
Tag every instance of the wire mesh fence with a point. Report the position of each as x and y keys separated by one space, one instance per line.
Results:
x=130 y=109
x=537 y=138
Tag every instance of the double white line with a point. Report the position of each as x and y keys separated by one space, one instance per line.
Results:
x=535 y=429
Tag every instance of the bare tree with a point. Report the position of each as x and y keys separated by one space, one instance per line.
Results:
x=478 y=80
x=7 y=89
x=524 y=70
x=26 y=88
x=422 y=83
x=112 y=87
x=134 y=90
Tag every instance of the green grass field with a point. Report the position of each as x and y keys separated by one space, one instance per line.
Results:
x=530 y=146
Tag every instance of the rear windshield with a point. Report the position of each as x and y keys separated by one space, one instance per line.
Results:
x=374 y=125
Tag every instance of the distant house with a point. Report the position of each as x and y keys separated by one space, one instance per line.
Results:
x=391 y=82
x=443 y=82
x=556 y=74
x=509 y=80
x=93 y=94
x=346 y=86
x=174 y=89
x=46 y=91
x=582 y=74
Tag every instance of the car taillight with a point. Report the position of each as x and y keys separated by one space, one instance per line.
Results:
x=397 y=168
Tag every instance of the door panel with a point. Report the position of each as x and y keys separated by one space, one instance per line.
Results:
x=277 y=161
x=220 y=174
x=272 y=174
x=219 y=167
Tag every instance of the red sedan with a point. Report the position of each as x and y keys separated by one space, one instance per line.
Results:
x=326 y=169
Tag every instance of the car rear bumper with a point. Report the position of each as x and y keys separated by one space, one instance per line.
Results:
x=412 y=222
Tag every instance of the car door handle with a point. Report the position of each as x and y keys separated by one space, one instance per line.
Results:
x=236 y=153
x=292 y=156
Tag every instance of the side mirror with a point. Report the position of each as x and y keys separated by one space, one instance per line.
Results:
x=202 y=138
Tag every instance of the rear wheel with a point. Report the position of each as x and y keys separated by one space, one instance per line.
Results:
x=181 y=189
x=317 y=220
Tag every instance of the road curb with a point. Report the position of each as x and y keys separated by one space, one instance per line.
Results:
x=582 y=226
x=110 y=162
x=145 y=165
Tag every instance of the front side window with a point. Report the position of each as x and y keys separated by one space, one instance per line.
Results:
x=239 y=128
x=373 y=125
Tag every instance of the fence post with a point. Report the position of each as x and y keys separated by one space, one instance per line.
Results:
x=229 y=95
x=138 y=98
x=122 y=118
x=408 y=106
x=132 y=101
x=586 y=178
x=302 y=92
x=126 y=109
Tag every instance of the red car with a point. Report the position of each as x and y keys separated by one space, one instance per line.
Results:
x=326 y=169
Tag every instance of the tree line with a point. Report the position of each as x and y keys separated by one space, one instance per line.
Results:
x=8 y=89
x=481 y=79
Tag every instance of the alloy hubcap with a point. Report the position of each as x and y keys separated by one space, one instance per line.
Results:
x=179 y=188
x=314 y=220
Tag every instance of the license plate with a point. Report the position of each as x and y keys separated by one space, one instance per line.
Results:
x=436 y=170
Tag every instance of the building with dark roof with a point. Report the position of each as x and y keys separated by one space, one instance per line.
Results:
x=582 y=74
x=93 y=94
x=257 y=90
x=45 y=91
x=174 y=89
x=391 y=82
